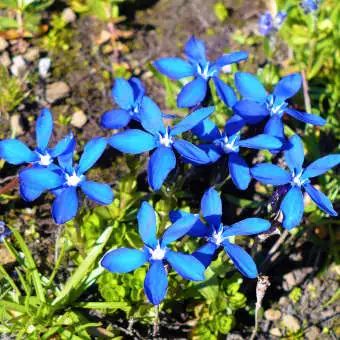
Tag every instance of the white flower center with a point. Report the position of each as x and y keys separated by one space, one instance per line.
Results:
x=217 y=237
x=297 y=180
x=166 y=140
x=276 y=107
x=158 y=253
x=45 y=160
x=204 y=71
x=228 y=145
x=73 y=180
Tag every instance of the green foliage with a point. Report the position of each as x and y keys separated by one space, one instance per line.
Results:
x=220 y=11
x=295 y=294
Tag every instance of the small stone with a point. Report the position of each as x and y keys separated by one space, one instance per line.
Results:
x=68 y=15
x=56 y=91
x=104 y=36
x=291 y=323
x=79 y=119
x=275 y=332
x=32 y=54
x=44 y=66
x=272 y=314
x=5 y=59
x=289 y=281
x=17 y=125
x=18 y=67
x=312 y=333
x=283 y=301
x=3 y=44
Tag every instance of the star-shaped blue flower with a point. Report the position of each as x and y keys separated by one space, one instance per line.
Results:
x=199 y=67
x=310 y=5
x=127 y=94
x=163 y=139
x=297 y=181
x=268 y=24
x=157 y=253
x=4 y=231
x=218 y=235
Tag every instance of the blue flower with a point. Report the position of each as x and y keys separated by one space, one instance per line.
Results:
x=4 y=231
x=310 y=5
x=128 y=95
x=16 y=152
x=257 y=104
x=63 y=181
x=218 y=235
x=161 y=138
x=229 y=143
x=297 y=180
x=198 y=67
x=157 y=253
x=268 y=25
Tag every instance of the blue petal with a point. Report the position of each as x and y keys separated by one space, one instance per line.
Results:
x=192 y=93
x=156 y=282
x=206 y=130
x=274 y=127
x=174 y=68
x=92 y=152
x=115 y=119
x=195 y=50
x=147 y=224
x=248 y=226
x=234 y=124
x=206 y=253
x=306 y=117
x=225 y=92
x=186 y=265
x=261 y=142
x=133 y=141
x=251 y=111
x=178 y=229
x=161 y=162
x=268 y=173
x=44 y=128
x=192 y=120
x=16 y=152
x=64 y=146
x=191 y=152
x=151 y=116
x=292 y=208
x=122 y=94
x=321 y=165
x=65 y=159
x=294 y=154
x=65 y=205
x=214 y=152
x=123 y=260
x=320 y=199
x=99 y=192
x=250 y=87
x=211 y=207
x=239 y=171
x=137 y=87
x=288 y=86
x=231 y=58
x=241 y=259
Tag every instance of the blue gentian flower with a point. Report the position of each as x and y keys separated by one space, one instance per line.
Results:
x=198 y=67
x=4 y=231
x=269 y=24
x=229 y=143
x=16 y=152
x=218 y=235
x=257 y=104
x=163 y=139
x=128 y=95
x=310 y=5
x=157 y=253
x=63 y=181
x=297 y=180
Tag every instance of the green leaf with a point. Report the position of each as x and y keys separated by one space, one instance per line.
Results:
x=7 y=23
x=104 y=305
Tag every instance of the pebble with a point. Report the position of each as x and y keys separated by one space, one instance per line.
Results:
x=18 y=67
x=44 y=66
x=3 y=44
x=291 y=323
x=5 y=59
x=16 y=124
x=68 y=15
x=275 y=332
x=56 y=91
x=79 y=119
x=272 y=314
x=312 y=333
x=32 y=54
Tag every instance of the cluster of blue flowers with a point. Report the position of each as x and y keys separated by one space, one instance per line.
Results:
x=52 y=169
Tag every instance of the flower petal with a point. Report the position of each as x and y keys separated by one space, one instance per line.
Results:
x=306 y=117
x=195 y=50
x=191 y=152
x=206 y=130
x=211 y=207
x=156 y=283
x=122 y=94
x=274 y=127
x=123 y=260
x=250 y=87
x=234 y=124
x=92 y=152
x=44 y=128
x=192 y=93
x=294 y=154
x=214 y=152
x=231 y=58
x=251 y=111
x=98 y=192
x=174 y=68
x=133 y=141
x=288 y=86
x=161 y=162
x=64 y=146
x=137 y=87
x=191 y=120
x=147 y=224
x=151 y=116
x=239 y=171
x=321 y=165
x=206 y=253
x=241 y=259
x=320 y=199
x=292 y=208
x=261 y=142
x=16 y=152
x=115 y=119
x=268 y=173
x=248 y=226
x=186 y=265
x=225 y=92
x=65 y=205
